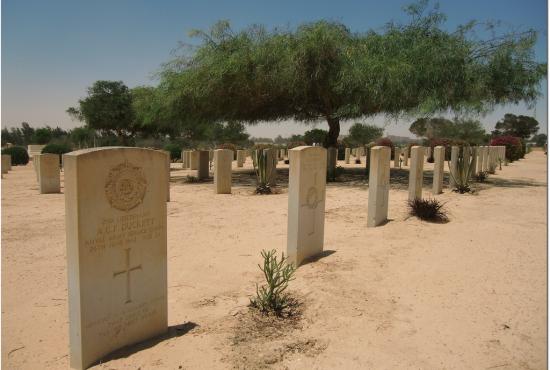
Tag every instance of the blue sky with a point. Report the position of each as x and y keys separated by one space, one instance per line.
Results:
x=53 y=50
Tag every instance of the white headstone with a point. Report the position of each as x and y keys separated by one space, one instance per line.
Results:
x=346 y=155
x=416 y=172
x=454 y=165
x=6 y=163
x=49 y=176
x=379 y=185
x=439 y=163
x=306 y=202
x=115 y=216
x=222 y=171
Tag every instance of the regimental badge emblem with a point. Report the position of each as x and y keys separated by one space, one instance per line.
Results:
x=125 y=186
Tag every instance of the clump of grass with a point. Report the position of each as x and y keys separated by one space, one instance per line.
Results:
x=427 y=210
x=191 y=179
x=271 y=297
x=481 y=176
x=357 y=161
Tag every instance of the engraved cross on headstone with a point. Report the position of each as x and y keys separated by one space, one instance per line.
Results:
x=312 y=200
x=127 y=271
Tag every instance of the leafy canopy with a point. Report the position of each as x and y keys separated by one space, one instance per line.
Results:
x=324 y=71
x=362 y=134
x=519 y=126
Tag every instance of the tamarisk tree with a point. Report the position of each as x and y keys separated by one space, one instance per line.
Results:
x=324 y=71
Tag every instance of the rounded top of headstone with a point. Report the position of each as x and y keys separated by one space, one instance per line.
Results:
x=110 y=148
x=305 y=147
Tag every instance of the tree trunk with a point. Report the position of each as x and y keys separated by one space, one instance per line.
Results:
x=333 y=132
x=331 y=141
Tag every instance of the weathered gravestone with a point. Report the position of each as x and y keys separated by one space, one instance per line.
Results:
x=6 y=163
x=454 y=165
x=485 y=158
x=49 y=176
x=203 y=165
x=346 y=155
x=183 y=159
x=222 y=171
x=240 y=158
x=379 y=185
x=168 y=161
x=416 y=172
x=272 y=166
x=115 y=215
x=194 y=160
x=479 y=160
x=306 y=202
x=439 y=163
x=406 y=152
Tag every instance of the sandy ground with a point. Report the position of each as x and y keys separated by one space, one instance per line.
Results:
x=469 y=294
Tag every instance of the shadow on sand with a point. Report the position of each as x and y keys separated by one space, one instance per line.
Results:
x=172 y=332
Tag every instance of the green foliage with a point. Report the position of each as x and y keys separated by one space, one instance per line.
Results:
x=271 y=297
x=463 y=172
x=361 y=134
x=324 y=71
x=19 y=155
x=174 y=149
x=540 y=140
x=263 y=171
x=57 y=148
x=464 y=130
x=519 y=126
x=28 y=135
x=107 y=108
x=315 y=136
x=42 y=136
x=427 y=210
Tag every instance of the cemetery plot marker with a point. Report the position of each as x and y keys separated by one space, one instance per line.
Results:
x=306 y=202
x=115 y=215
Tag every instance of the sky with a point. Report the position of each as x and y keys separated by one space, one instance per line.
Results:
x=52 y=51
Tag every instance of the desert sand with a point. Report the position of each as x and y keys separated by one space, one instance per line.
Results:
x=468 y=294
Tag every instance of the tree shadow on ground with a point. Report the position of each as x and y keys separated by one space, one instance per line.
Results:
x=348 y=177
x=172 y=332
x=512 y=183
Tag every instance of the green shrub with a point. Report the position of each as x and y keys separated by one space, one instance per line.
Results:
x=19 y=155
x=427 y=210
x=271 y=297
x=463 y=173
x=60 y=149
x=262 y=170
x=175 y=151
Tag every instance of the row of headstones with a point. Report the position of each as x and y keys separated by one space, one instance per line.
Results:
x=484 y=158
x=116 y=216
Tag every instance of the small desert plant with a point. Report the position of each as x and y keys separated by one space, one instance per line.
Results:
x=480 y=176
x=287 y=161
x=491 y=168
x=271 y=297
x=263 y=171
x=357 y=161
x=427 y=210
x=191 y=179
x=462 y=174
